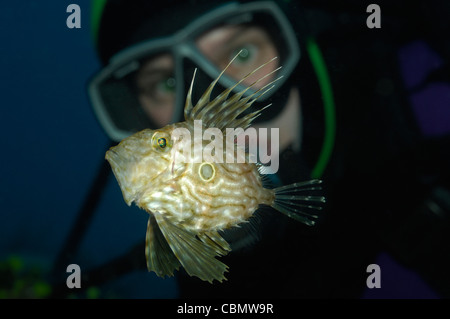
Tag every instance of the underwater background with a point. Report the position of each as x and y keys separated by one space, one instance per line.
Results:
x=52 y=150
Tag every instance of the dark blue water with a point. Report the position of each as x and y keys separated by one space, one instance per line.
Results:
x=52 y=146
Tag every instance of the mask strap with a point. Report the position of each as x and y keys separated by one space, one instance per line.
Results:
x=96 y=16
x=321 y=71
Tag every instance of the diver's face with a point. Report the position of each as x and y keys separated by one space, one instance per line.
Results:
x=155 y=82
x=156 y=87
x=222 y=44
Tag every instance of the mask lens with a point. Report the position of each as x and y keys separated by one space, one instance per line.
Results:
x=156 y=88
x=222 y=44
x=136 y=94
x=258 y=35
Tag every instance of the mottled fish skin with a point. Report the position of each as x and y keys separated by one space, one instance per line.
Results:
x=160 y=184
x=188 y=201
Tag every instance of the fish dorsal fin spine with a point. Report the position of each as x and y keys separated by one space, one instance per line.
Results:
x=188 y=105
x=223 y=111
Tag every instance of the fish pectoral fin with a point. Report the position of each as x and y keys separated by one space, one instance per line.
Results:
x=159 y=256
x=196 y=256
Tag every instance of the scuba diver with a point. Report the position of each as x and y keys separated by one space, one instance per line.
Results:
x=348 y=113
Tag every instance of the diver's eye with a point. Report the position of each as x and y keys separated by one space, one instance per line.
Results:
x=161 y=141
x=248 y=54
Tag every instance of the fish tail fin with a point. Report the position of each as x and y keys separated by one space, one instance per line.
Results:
x=159 y=256
x=195 y=252
x=295 y=200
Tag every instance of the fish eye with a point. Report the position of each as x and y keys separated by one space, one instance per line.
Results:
x=161 y=141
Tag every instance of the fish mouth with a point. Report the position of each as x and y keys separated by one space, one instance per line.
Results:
x=119 y=165
x=114 y=159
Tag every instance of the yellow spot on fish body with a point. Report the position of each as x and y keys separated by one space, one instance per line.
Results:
x=206 y=171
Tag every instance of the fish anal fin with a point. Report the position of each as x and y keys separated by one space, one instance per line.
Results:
x=246 y=234
x=159 y=255
x=196 y=256
x=214 y=239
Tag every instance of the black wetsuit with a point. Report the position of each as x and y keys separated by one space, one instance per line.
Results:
x=388 y=181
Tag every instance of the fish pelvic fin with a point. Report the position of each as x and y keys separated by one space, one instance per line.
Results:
x=196 y=252
x=159 y=256
x=223 y=111
x=295 y=200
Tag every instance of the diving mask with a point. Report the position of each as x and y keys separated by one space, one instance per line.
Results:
x=145 y=85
